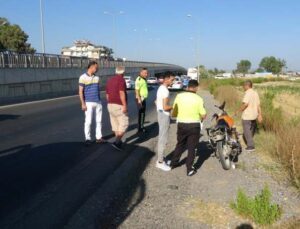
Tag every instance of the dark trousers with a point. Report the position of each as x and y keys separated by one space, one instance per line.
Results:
x=142 y=114
x=249 y=127
x=188 y=135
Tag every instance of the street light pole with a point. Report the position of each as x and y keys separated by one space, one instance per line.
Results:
x=42 y=26
x=197 y=45
x=114 y=18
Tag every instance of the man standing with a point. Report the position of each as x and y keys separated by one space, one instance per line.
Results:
x=89 y=93
x=141 y=92
x=116 y=96
x=189 y=109
x=251 y=111
x=163 y=117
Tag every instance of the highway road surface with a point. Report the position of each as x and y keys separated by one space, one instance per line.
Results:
x=46 y=172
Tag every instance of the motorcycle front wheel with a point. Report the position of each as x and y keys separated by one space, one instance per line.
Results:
x=225 y=160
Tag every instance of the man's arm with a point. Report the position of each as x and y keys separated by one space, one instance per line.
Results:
x=242 y=108
x=81 y=97
x=123 y=100
x=166 y=106
x=137 y=96
x=137 y=92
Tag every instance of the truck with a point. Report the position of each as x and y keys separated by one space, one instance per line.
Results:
x=193 y=73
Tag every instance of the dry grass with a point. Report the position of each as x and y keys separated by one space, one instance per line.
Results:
x=289 y=104
x=230 y=95
x=288 y=151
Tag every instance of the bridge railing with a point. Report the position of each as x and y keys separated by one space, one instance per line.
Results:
x=37 y=60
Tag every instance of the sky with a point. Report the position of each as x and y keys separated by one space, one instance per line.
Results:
x=219 y=34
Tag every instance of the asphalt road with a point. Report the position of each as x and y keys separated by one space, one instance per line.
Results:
x=46 y=173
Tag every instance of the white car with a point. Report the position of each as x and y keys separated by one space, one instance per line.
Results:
x=129 y=82
x=152 y=80
x=177 y=84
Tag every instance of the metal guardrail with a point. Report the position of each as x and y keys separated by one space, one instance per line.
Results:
x=37 y=60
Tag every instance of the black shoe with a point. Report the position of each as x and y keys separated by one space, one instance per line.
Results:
x=117 y=146
x=101 y=141
x=143 y=130
x=173 y=165
x=88 y=142
x=191 y=172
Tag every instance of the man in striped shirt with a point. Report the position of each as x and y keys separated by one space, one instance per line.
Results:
x=89 y=93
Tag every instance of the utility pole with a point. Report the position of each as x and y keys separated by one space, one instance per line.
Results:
x=42 y=26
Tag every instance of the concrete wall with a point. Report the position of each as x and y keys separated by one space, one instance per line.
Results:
x=26 y=84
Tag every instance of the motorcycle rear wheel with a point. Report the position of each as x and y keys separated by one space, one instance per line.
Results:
x=225 y=160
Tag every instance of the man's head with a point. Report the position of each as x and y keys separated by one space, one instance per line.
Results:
x=193 y=86
x=144 y=73
x=92 y=67
x=247 y=85
x=168 y=78
x=120 y=70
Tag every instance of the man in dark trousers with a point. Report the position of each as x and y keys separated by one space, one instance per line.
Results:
x=251 y=111
x=189 y=109
x=141 y=92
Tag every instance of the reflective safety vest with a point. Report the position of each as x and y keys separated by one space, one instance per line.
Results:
x=188 y=107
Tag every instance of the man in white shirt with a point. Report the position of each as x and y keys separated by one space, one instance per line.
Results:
x=163 y=117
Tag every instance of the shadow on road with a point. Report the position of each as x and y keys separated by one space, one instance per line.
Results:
x=27 y=170
x=4 y=117
x=127 y=197
x=203 y=153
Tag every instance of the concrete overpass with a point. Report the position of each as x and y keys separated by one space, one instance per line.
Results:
x=25 y=77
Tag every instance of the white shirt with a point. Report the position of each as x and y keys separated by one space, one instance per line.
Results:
x=162 y=93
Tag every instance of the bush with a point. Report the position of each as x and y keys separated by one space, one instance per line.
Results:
x=259 y=209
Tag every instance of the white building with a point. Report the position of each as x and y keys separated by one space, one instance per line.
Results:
x=84 y=48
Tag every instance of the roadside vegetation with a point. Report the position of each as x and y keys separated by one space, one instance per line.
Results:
x=280 y=131
x=259 y=209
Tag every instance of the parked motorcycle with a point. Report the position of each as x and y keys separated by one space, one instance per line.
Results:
x=224 y=138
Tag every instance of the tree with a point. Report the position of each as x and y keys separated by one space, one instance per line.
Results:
x=243 y=66
x=13 y=38
x=271 y=64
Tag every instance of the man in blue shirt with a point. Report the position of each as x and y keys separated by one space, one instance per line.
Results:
x=89 y=93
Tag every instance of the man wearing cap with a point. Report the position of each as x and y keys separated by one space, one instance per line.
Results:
x=116 y=97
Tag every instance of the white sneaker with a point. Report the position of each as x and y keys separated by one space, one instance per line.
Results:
x=232 y=165
x=163 y=166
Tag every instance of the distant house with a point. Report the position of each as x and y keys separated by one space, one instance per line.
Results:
x=225 y=75
x=84 y=48
x=263 y=74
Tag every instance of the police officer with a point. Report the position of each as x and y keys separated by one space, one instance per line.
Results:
x=141 y=92
x=189 y=109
